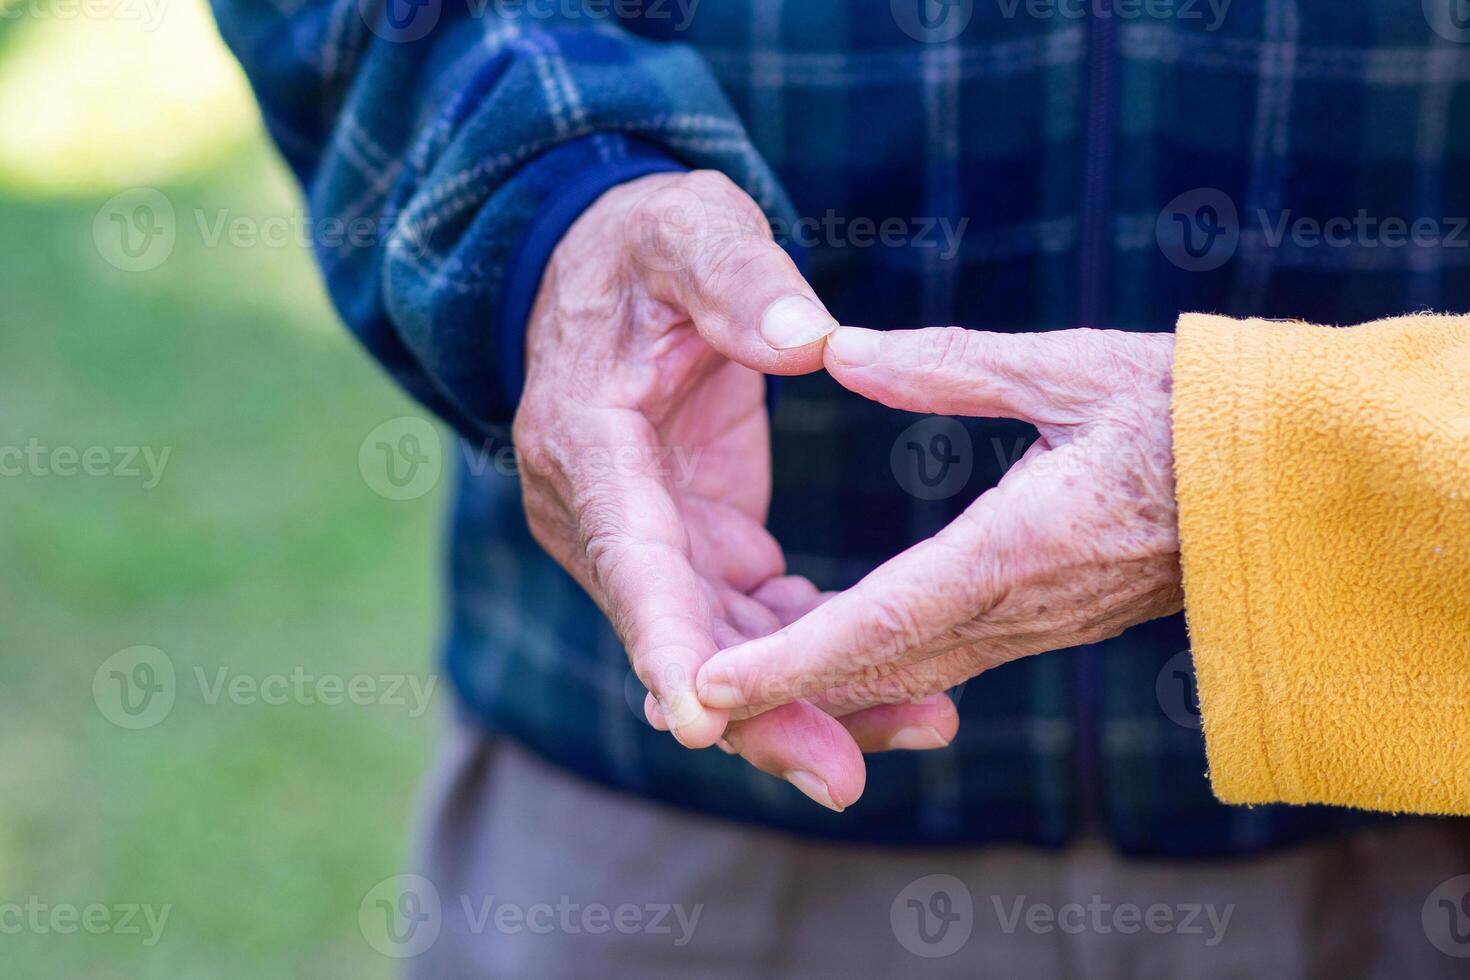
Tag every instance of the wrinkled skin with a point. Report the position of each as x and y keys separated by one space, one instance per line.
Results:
x=1078 y=542
x=645 y=460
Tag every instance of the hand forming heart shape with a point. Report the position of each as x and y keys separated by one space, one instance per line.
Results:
x=660 y=310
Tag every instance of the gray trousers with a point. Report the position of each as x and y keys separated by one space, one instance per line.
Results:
x=539 y=874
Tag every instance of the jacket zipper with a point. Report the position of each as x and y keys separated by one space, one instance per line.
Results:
x=1095 y=241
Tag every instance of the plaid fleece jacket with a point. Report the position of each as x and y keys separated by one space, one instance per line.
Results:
x=1000 y=164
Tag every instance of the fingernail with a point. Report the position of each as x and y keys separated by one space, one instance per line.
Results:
x=918 y=737
x=795 y=322
x=725 y=746
x=855 y=346
x=719 y=696
x=681 y=709
x=812 y=787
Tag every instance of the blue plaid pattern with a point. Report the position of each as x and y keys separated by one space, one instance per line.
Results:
x=1106 y=171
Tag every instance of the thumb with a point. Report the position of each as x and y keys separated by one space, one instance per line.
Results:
x=1043 y=378
x=705 y=247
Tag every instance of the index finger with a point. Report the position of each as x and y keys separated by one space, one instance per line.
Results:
x=637 y=552
x=877 y=625
x=705 y=247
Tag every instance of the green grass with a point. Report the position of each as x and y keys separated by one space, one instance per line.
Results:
x=261 y=550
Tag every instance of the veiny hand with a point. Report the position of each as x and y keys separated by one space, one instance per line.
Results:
x=645 y=458
x=1078 y=542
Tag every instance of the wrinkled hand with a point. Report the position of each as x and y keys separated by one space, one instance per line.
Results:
x=1078 y=542
x=645 y=458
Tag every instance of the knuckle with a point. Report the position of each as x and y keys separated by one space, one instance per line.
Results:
x=912 y=686
x=890 y=628
x=530 y=437
x=730 y=261
x=882 y=685
x=527 y=430
x=946 y=350
x=704 y=233
x=713 y=183
x=603 y=542
x=605 y=552
x=726 y=200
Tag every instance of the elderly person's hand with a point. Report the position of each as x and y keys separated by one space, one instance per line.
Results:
x=1077 y=543
x=645 y=455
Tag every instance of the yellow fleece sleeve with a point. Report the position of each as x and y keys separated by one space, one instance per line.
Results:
x=1324 y=513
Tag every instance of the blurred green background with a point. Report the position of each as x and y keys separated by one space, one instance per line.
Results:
x=262 y=549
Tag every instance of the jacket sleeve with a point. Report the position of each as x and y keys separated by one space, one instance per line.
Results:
x=444 y=148
x=1324 y=506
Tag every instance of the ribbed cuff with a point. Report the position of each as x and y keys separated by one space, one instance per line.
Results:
x=1222 y=377
x=597 y=163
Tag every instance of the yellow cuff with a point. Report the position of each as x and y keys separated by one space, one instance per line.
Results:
x=1324 y=511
